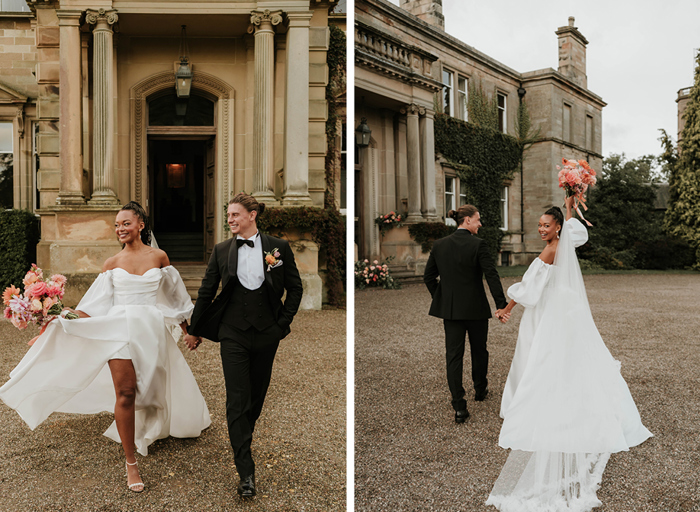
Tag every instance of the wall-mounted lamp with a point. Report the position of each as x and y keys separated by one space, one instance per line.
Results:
x=176 y=175
x=363 y=134
x=183 y=77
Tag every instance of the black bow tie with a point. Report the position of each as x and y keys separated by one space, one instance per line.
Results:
x=242 y=241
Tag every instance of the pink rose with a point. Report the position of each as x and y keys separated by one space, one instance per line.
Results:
x=8 y=313
x=59 y=280
x=277 y=254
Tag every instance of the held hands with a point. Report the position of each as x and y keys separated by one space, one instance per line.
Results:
x=503 y=315
x=192 y=342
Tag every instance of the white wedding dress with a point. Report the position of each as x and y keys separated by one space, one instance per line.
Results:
x=131 y=317
x=565 y=405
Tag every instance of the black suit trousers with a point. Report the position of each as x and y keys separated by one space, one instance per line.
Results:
x=247 y=357
x=455 y=334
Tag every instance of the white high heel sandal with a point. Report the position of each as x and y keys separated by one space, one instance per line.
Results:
x=132 y=486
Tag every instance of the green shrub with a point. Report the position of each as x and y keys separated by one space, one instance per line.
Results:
x=425 y=233
x=19 y=234
x=664 y=253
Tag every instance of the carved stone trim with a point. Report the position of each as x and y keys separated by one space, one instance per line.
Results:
x=258 y=17
x=203 y=82
x=92 y=17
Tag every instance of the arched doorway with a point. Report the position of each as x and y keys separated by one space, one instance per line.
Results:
x=152 y=143
x=181 y=141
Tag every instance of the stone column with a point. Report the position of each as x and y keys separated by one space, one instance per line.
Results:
x=413 y=163
x=70 y=126
x=427 y=135
x=103 y=92
x=262 y=23
x=296 y=112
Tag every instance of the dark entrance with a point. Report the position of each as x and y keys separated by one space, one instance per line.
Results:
x=177 y=194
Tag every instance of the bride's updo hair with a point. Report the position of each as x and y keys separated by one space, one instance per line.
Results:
x=138 y=210
x=556 y=212
x=466 y=210
x=248 y=202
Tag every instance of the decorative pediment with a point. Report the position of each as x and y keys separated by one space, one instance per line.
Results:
x=10 y=96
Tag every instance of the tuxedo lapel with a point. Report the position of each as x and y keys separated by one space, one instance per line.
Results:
x=233 y=258
x=266 y=247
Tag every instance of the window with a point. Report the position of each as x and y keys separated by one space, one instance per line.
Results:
x=14 y=6
x=449 y=194
x=35 y=152
x=504 y=208
x=462 y=88
x=169 y=110
x=462 y=193
x=566 y=123
x=6 y=166
x=447 y=92
x=589 y=132
x=502 y=119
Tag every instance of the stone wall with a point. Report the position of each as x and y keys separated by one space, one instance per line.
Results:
x=18 y=55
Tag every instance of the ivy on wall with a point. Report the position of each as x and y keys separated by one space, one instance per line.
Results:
x=483 y=158
x=19 y=234
x=336 y=59
x=327 y=229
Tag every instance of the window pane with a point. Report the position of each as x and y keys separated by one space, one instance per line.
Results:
x=449 y=194
x=6 y=180
x=502 y=113
x=447 y=92
x=589 y=132
x=504 y=208
x=169 y=110
x=462 y=99
x=14 y=6
x=462 y=193
x=5 y=137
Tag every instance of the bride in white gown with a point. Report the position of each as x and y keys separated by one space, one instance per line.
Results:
x=565 y=406
x=121 y=355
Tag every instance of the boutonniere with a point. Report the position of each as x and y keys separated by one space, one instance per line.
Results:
x=272 y=258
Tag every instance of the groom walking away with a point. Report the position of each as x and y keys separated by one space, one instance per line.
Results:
x=460 y=260
x=248 y=319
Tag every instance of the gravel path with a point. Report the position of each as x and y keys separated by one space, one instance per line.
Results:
x=410 y=455
x=299 y=445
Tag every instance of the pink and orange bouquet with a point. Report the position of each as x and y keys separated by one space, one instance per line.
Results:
x=575 y=178
x=40 y=301
x=388 y=221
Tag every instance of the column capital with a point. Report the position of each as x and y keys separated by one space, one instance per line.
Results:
x=299 y=19
x=94 y=17
x=264 y=20
x=411 y=110
x=69 y=17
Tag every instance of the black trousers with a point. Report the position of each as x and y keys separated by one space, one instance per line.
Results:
x=455 y=334
x=247 y=357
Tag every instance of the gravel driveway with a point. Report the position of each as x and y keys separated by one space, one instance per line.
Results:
x=410 y=455
x=299 y=447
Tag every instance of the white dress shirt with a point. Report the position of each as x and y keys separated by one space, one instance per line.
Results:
x=251 y=271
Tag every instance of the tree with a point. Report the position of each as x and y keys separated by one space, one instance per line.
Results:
x=622 y=203
x=682 y=218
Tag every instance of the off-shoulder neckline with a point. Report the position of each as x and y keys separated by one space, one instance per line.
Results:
x=139 y=275
x=544 y=262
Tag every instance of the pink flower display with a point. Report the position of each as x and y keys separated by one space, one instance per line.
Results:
x=575 y=178
x=40 y=302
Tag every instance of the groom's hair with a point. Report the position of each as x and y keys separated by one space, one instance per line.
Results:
x=248 y=202
x=466 y=210
x=138 y=210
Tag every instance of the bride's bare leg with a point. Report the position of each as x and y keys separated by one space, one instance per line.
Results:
x=124 y=379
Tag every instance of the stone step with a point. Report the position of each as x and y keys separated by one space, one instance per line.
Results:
x=192 y=274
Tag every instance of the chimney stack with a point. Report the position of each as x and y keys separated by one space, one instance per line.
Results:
x=572 y=54
x=427 y=10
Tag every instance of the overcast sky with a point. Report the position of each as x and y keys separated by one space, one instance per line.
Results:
x=639 y=54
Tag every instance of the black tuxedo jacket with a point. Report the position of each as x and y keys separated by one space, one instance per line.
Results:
x=460 y=260
x=222 y=267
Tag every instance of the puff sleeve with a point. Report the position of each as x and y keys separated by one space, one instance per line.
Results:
x=529 y=291
x=577 y=232
x=173 y=300
x=99 y=298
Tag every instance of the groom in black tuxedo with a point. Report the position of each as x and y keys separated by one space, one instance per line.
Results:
x=248 y=319
x=460 y=261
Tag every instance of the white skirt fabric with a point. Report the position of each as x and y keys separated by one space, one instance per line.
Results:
x=66 y=369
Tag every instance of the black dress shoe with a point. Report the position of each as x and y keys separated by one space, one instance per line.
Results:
x=246 y=487
x=480 y=397
x=461 y=416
